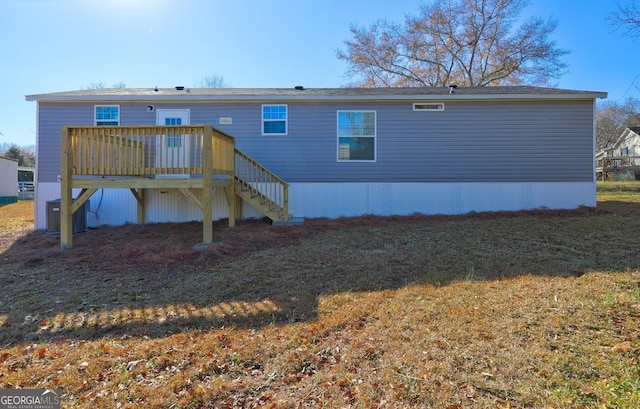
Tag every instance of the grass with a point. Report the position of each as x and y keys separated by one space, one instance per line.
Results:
x=15 y=221
x=535 y=309
x=622 y=191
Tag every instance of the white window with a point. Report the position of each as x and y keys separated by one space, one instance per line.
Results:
x=356 y=136
x=428 y=106
x=107 y=115
x=274 y=119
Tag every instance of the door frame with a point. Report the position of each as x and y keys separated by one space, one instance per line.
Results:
x=162 y=148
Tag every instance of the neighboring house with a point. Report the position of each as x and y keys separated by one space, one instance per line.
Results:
x=622 y=160
x=8 y=180
x=26 y=183
x=342 y=151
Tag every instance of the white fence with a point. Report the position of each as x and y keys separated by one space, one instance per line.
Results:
x=26 y=190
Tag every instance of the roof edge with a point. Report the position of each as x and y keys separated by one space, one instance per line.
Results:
x=316 y=98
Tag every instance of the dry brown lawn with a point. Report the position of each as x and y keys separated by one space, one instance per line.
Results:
x=533 y=309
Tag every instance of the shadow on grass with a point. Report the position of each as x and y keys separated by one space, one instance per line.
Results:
x=155 y=280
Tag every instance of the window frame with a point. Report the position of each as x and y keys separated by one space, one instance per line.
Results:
x=374 y=136
x=440 y=104
x=103 y=122
x=285 y=120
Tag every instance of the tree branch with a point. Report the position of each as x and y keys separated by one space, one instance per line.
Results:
x=467 y=41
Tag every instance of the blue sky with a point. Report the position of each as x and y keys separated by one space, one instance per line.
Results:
x=62 y=45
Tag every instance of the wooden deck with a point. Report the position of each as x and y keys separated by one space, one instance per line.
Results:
x=164 y=157
x=618 y=168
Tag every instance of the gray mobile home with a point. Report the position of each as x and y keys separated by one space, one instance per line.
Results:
x=342 y=151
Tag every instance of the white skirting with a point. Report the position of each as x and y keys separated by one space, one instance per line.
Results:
x=117 y=206
x=385 y=199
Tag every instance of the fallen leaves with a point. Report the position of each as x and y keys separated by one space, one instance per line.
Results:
x=622 y=347
x=413 y=331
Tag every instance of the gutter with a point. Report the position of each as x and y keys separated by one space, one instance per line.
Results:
x=314 y=98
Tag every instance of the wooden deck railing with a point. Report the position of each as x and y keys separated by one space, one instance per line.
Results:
x=618 y=161
x=223 y=147
x=147 y=150
x=136 y=157
x=265 y=186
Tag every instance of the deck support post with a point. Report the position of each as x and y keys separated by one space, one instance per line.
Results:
x=191 y=196
x=207 y=188
x=235 y=208
x=66 y=199
x=94 y=158
x=84 y=195
x=140 y=195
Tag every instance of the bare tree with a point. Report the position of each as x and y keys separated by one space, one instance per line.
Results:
x=627 y=16
x=102 y=85
x=213 y=80
x=466 y=42
x=612 y=118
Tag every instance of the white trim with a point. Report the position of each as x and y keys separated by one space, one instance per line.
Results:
x=271 y=99
x=252 y=95
x=175 y=112
x=374 y=136
x=95 y=116
x=286 y=120
x=594 y=162
x=423 y=106
x=37 y=165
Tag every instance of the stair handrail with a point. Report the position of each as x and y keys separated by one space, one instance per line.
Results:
x=261 y=182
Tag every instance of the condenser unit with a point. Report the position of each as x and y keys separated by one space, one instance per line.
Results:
x=79 y=219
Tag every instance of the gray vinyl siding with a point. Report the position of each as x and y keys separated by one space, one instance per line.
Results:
x=52 y=117
x=467 y=142
x=481 y=141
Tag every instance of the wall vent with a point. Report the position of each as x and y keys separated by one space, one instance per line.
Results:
x=428 y=106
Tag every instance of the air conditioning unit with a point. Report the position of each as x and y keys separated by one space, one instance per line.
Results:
x=79 y=219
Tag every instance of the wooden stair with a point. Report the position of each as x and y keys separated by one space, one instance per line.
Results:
x=256 y=199
x=261 y=188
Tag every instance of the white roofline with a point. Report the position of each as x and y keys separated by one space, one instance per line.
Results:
x=315 y=98
x=11 y=159
x=625 y=134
